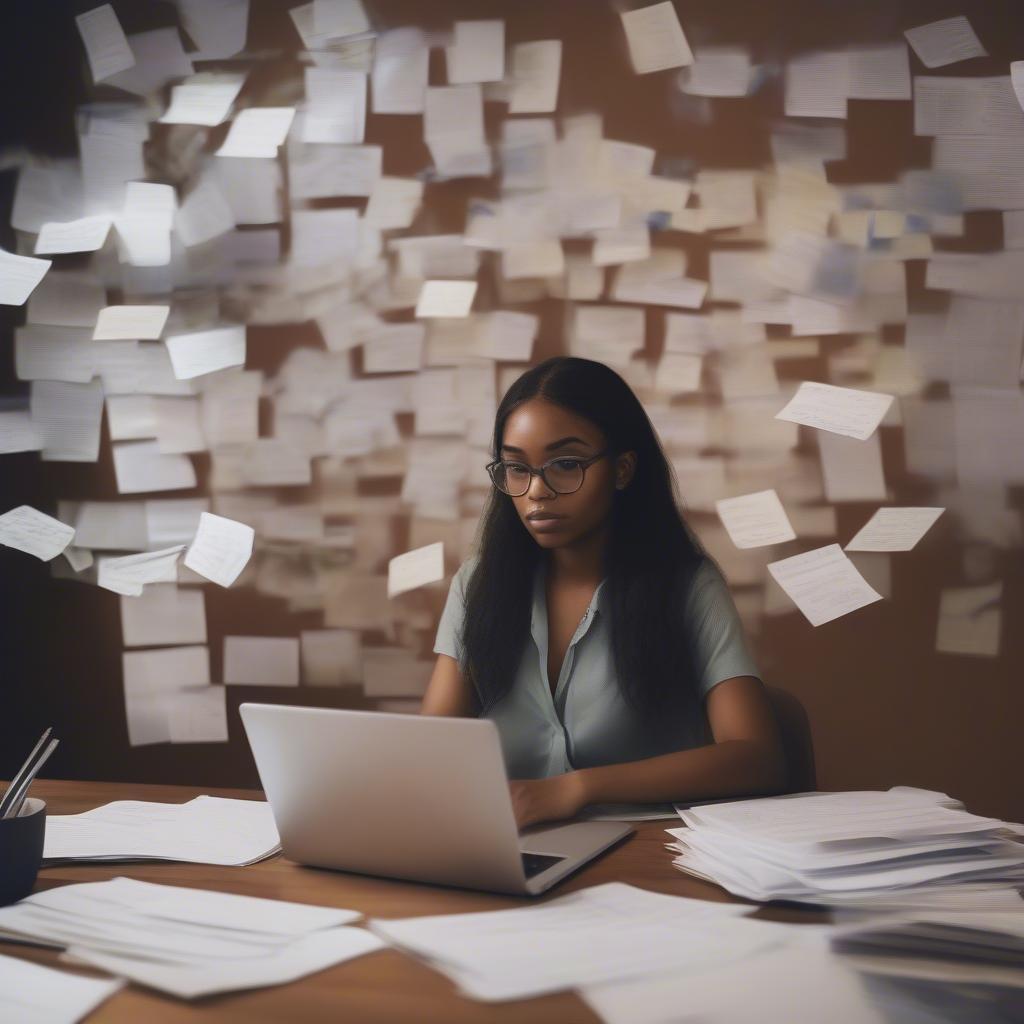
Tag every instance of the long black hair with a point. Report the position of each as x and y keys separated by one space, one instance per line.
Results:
x=650 y=561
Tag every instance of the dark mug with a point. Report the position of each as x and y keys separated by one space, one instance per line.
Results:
x=21 y=850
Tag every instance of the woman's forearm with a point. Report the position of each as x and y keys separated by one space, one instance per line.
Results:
x=730 y=768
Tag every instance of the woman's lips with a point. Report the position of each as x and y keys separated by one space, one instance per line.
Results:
x=545 y=524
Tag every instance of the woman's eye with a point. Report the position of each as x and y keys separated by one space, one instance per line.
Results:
x=568 y=465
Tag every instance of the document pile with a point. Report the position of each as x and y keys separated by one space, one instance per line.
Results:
x=957 y=948
x=610 y=932
x=187 y=942
x=900 y=849
x=206 y=830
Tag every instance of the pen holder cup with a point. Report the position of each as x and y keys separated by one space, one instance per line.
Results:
x=21 y=850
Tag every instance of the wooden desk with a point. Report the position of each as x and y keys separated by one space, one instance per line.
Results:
x=386 y=986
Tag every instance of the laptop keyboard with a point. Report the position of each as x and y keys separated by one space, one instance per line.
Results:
x=535 y=863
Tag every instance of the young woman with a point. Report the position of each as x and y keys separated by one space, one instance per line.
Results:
x=591 y=627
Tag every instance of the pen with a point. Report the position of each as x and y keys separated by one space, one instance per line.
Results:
x=19 y=796
x=16 y=781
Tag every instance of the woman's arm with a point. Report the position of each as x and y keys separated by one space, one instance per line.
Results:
x=745 y=759
x=448 y=693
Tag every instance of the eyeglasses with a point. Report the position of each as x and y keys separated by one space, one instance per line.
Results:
x=562 y=475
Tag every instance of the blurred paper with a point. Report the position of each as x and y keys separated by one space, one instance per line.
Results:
x=340 y=18
x=221 y=549
x=415 y=569
x=126 y=322
x=678 y=373
x=336 y=106
x=217 y=27
x=477 y=53
x=330 y=657
x=105 y=43
x=393 y=203
x=66 y=300
x=394 y=672
x=817 y=84
x=446 y=298
x=400 y=68
x=35 y=533
x=879 y=72
x=68 y=418
x=19 y=276
x=140 y=466
x=823 y=584
x=87 y=234
x=152 y=679
x=128 y=574
x=257 y=132
x=261 y=661
x=717 y=71
x=894 y=529
x=392 y=348
x=851 y=468
x=945 y=42
x=655 y=38
x=31 y=991
x=970 y=620
x=162 y=615
x=536 y=68
x=838 y=410
x=18 y=433
x=205 y=214
x=755 y=520
x=205 y=100
x=198 y=714
x=202 y=352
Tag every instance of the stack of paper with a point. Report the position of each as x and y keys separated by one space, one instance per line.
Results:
x=976 y=948
x=188 y=942
x=901 y=848
x=605 y=933
x=206 y=830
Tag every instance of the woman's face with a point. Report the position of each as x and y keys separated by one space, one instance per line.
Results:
x=538 y=431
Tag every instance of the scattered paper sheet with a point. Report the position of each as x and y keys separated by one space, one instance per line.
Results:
x=718 y=71
x=655 y=38
x=221 y=549
x=204 y=100
x=19 y=276
x=31 y=991
x=415 y=569
x=87 y=234
x=153 y=681
x=128 y=574
x=477 y=53
x=140 y=466
x=202 y=352
x=755 y=520
x=261 y=660
x=204 y=215
x=163 y=615
x=894 y=529
x=945 y=42
x=839 y=410
x=536 y=69
x=35 y=533
x=394 y=203
x=446 y=298
x=257 y=132
x=851 y=468
x=126 y=322
x=105 y=43
x=401 y=65
x=330 y=657
x=824 y=584
x=970 y=620
x=339 y=18
x=68 y=417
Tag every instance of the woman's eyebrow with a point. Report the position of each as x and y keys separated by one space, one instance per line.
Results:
x=560 y=443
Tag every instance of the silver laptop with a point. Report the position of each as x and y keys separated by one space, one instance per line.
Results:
x=407 y=796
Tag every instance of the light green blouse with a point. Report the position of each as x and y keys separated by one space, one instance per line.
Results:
x=587 y=722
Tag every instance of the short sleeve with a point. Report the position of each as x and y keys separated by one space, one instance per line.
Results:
x=719 y=645
x=449 y=629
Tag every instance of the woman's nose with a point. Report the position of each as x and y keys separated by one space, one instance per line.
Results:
x=538 y=488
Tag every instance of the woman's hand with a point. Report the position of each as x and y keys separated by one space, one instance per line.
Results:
x=534 y=800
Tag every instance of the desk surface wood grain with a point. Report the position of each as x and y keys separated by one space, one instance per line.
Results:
x=385 y=987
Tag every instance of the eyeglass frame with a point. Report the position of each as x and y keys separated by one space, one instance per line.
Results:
x=584 y=465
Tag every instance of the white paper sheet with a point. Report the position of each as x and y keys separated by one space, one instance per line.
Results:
x=823 y=584
x=66 y=300
x=945 y=42
x=446 y=299
x=86 y=234
x=202 y=352
x=221 y=549
x=844 y=411
x=105 y=43
x=257 y=132
x=894 y=529
x=204 y=214
x=393 y=203
x=851 y=468
x=163 y=615
x=128 y=574
x=655 y=38
x=29 y=530
x=970 y=620
x=261 y=660
x=536 y=68
x=68 y=418
x=755 y=520
x=32 y=992
x=152 y=680
x=19 y=276
x=477 y=53
x=126 y=322
x=400 y=67
x=415 y=569
x=140 y=466
x=204 y=100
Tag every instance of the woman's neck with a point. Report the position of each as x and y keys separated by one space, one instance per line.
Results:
x=581 y=561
